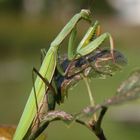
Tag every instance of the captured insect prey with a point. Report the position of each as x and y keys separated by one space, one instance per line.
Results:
x=88 y=67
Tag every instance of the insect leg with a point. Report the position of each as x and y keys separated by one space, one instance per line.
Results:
x=45 y=81
x=36 y=102
x=49 y=95
x=71 y=49
x=93 y=45
x=92 y=33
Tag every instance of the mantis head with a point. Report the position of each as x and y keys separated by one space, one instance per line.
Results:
x=86 y=14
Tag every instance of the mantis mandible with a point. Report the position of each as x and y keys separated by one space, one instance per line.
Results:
x=86 y=46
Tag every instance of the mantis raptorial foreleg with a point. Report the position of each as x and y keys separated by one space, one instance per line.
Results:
x=95 y=44
x=90 y=42
x=92 y=33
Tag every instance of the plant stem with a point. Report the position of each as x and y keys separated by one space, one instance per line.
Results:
x=99 y=135
x=38 y=131
x=97 y=126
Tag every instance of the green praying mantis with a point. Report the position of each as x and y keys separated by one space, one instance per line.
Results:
x=87 y=45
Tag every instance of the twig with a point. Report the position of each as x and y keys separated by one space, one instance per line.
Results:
x=96 y=127
x=50 y=117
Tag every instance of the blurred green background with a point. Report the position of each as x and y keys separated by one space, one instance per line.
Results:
x=27 y=26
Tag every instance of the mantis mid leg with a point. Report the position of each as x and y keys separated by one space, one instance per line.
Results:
x=43 y=54
x=51 y=105
x=36 y=102
x=50 y=87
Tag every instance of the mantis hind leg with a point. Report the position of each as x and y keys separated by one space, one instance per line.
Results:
x=36 y=102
